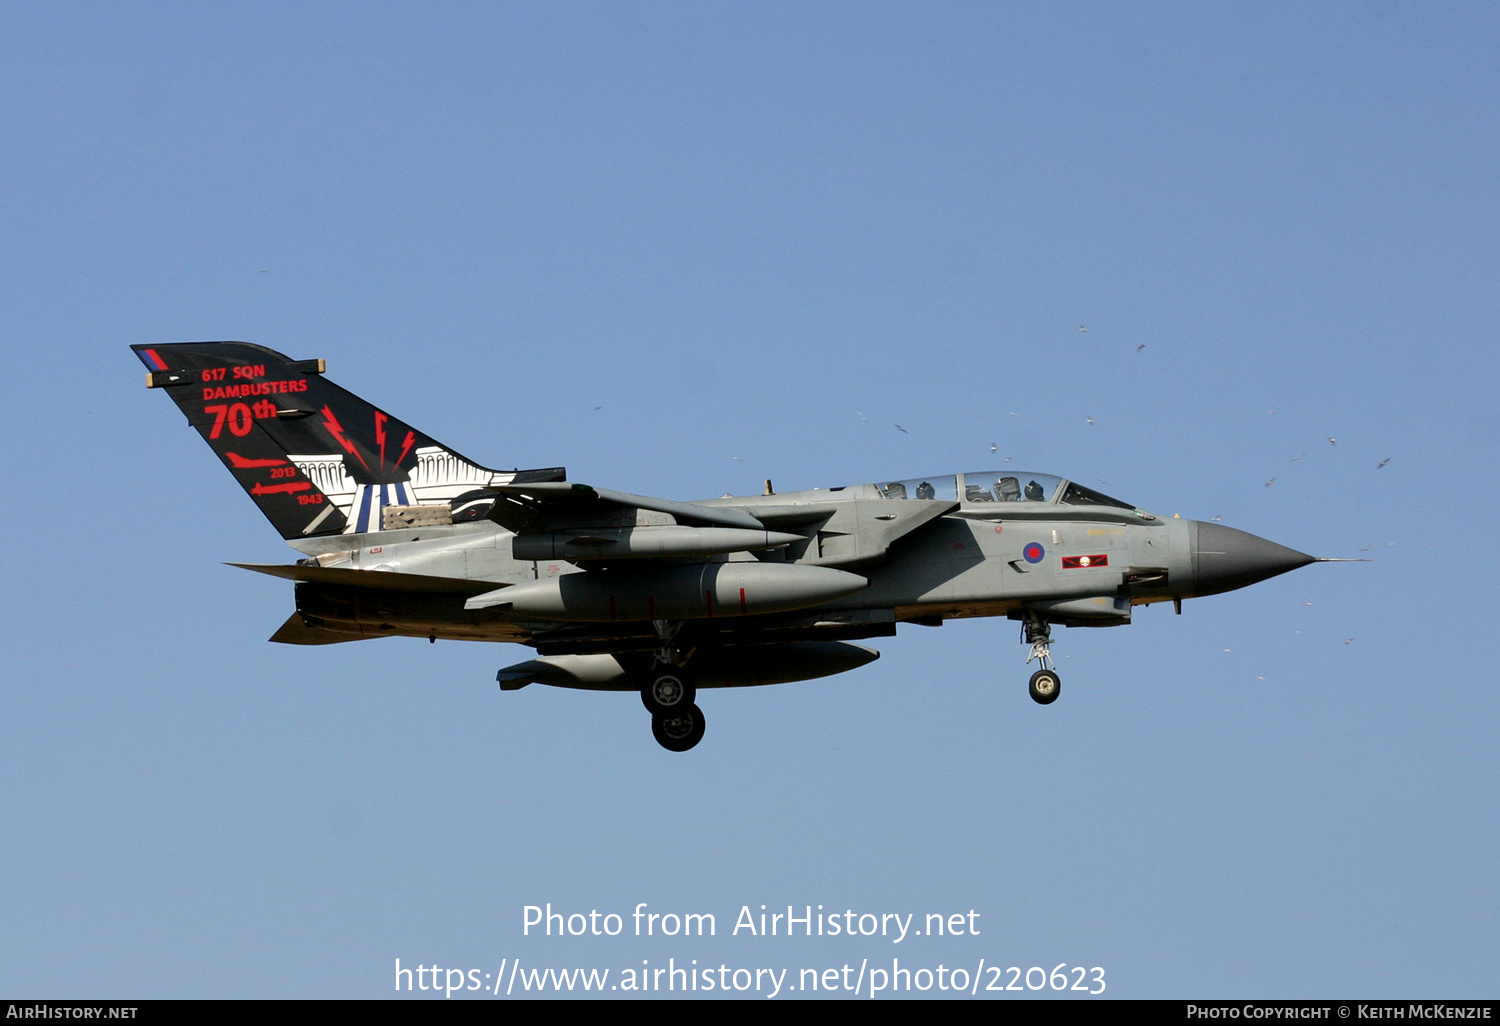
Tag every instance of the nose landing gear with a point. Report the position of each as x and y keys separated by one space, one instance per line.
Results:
x=1045 y=684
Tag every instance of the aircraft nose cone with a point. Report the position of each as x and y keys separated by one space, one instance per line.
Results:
x=1225 y=558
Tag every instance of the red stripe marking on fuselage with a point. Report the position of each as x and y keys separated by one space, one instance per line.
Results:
x=742 y=602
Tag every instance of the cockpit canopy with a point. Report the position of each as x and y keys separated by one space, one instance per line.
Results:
x=998 y=486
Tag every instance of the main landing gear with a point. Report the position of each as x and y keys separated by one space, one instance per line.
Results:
x=669 y=694
x=1045 y=684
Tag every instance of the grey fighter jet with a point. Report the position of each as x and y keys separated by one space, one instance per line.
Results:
x=403 y=536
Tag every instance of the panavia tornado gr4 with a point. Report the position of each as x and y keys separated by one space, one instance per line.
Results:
x=403 y=536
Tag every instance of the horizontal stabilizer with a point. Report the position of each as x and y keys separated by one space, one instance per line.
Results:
x=384 y=580
x=296 y=632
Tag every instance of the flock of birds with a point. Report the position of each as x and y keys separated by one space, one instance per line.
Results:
x=1332 y=441
x=994 y=448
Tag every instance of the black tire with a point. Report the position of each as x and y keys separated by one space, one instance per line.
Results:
x=680 y=730
x=1045 y=686
x=667 y=689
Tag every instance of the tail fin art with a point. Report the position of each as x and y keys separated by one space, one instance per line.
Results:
x=314 y=457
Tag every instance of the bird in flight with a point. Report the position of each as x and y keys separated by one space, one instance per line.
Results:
x=1333 y=441
x=1082 y=328
x=1090 y=420
x=1269 y=483
x=1382 y=463
x=902 y=430
x=1140 y=347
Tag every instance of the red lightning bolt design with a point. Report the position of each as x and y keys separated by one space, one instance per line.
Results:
x=411 y=436
x=380 y=420
x=337 y=431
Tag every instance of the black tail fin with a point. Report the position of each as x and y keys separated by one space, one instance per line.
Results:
x=317 y=459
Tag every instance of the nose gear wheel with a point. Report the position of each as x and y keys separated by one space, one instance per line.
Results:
x=1044 y=687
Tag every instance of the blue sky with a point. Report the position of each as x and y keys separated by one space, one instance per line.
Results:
x=769 y=232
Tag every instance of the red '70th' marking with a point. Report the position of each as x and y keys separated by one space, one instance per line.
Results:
x=240 y=417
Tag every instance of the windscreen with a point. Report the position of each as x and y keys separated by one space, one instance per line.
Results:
x=1078 y=495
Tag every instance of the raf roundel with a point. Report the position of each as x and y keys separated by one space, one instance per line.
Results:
x=1033 y=552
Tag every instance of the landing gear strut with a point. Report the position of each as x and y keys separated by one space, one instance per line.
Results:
x=667 y=652
x=1045 y=684
x=667 y=687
